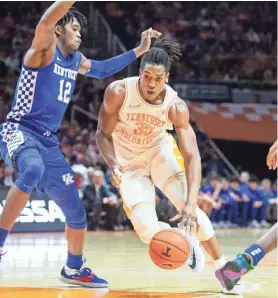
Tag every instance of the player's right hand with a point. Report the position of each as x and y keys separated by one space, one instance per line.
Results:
x=116 y=174
x=272 y=159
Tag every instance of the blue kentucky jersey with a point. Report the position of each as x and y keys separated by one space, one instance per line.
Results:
x=42 y=94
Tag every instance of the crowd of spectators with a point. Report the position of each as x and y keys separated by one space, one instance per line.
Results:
x=243 y=202
x=220 y=40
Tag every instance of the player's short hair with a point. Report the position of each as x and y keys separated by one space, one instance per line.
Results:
x=69 y=17
x=163 y=52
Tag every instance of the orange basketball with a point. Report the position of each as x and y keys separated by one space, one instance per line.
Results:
x=169 y=249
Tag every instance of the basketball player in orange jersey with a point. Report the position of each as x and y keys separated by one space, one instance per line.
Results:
x=244 y=262
x=132 y=138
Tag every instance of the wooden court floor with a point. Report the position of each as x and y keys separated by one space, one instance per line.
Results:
x=32 y=265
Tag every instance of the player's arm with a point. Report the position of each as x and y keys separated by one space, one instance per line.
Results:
x=108 y=67
x=179 y=116
x=42 y=50
x=114 y=97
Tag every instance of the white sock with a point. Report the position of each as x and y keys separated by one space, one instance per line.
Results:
x=219 y=263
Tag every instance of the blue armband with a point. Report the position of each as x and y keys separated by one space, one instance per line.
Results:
x=106 y=68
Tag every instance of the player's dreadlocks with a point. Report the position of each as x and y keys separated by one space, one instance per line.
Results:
x=70 y=15
x=163 y=52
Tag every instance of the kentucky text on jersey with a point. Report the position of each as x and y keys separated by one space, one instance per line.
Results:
x=42 y=94
x=64 y=72
x=145 y=118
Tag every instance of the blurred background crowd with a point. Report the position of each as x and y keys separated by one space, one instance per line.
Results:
x=222 y=41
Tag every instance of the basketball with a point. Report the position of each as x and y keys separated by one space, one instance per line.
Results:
x=169 y=249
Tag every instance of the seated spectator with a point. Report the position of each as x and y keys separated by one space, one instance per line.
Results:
x=230 y=199
x=244 y=179
x=206 y=203
x=242 y=202
x=258 y=205
x=266 y=189
x=212 y=189
x=225 y=212
x=98 y=201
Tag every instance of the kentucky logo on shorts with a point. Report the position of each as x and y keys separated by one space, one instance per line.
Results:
x=68 y=179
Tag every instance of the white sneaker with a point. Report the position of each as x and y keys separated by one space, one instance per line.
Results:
x=196 y=259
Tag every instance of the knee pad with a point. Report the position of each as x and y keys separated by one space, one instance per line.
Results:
x=176 y=190
x=31 y=170
x=145 y=222
x=206 y=230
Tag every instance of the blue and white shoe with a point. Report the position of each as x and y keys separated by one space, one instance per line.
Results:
x=82 y=277
x=196 y=260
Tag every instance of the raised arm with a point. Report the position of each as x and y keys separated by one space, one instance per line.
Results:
x=108 y=67
x=42 y=50
x=113 y=100
x=179 y=116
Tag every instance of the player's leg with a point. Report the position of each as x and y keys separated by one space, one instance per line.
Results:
x=248 y=260
x=138 y=195
x=60 y=185
x=168 y=175
x=28 y=163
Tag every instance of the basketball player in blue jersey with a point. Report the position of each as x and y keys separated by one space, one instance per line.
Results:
x=244 y=262
x=27 y=139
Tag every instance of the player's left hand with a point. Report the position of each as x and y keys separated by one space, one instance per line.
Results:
x=146 y=38
x=188 y=217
